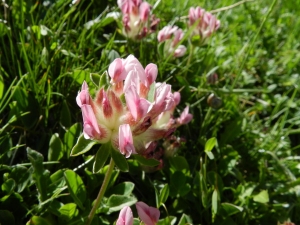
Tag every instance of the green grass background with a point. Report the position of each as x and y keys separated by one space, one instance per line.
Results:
x=46 y=51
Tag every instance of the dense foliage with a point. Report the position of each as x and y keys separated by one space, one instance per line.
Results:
x=236 y=162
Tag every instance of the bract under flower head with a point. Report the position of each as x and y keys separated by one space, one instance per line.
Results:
x=144 y=117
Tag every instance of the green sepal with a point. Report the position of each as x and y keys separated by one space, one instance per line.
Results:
x=95 y=78
x=83 y=145
x=104 y=81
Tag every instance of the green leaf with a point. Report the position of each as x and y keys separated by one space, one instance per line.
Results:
x=107 y=20
x=262 y=197
x=22 y=177
x=1 y=84
x=68 y=211
x=215 y=201
x=160 y=49
x=76 y=187
x=6 y=217
x=203 y=184
x=178 y=184
x=104 y=80
x=5 y=146
x=112 y=55
x=124 y=188
x=170 y=220
x=179 y=163
x=185 y=220
x=44 y=58
x=210 y=144
x=231 y=209
x=95 y=78
x=36 y=160
x=54 y=207
x=58 y=183
x=65 y=115
x=37 y=30
x=26 y=103
x=215 y=179
x=8 y=186
x=146 y=162
x=40 y=175
x=118 y=202
x=37 y=220
x=71 y=137
x=55 y=148
x=83 y=145
x=196 y=40
x=101 y=157
x=119 y=160
x=3 y=31
x=80 y=75
x=164 y=194
x=210 y=155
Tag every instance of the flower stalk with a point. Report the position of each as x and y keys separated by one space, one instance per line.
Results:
x=101 y=192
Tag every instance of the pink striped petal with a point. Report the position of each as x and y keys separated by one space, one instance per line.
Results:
x=83 y=96
x=126 y=146
x=91 y=128
x=151 y=73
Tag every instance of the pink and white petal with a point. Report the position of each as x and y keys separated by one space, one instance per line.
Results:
x=131 y=63
x=89 y=117
x=126 y=146
x=151 y=73
x=83 y=96
x=185 y=116
x=132 y=101
x=144 y=11
x=149 y=215
x=143 y=107
x=180 y=51
x=142 y=210
x=177 y=97
x=125 y=217
x=115 y=70
x=132 y=79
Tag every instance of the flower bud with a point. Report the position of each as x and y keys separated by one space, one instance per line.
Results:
x=214 y=101
x=212 y=78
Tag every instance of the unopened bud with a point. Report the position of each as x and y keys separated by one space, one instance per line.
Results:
x=212 y=78
x=214 y=101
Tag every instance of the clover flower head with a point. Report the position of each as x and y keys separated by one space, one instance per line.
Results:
x=172 y=35
x=132 y=111
x=207 y=23
x=137 y=21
